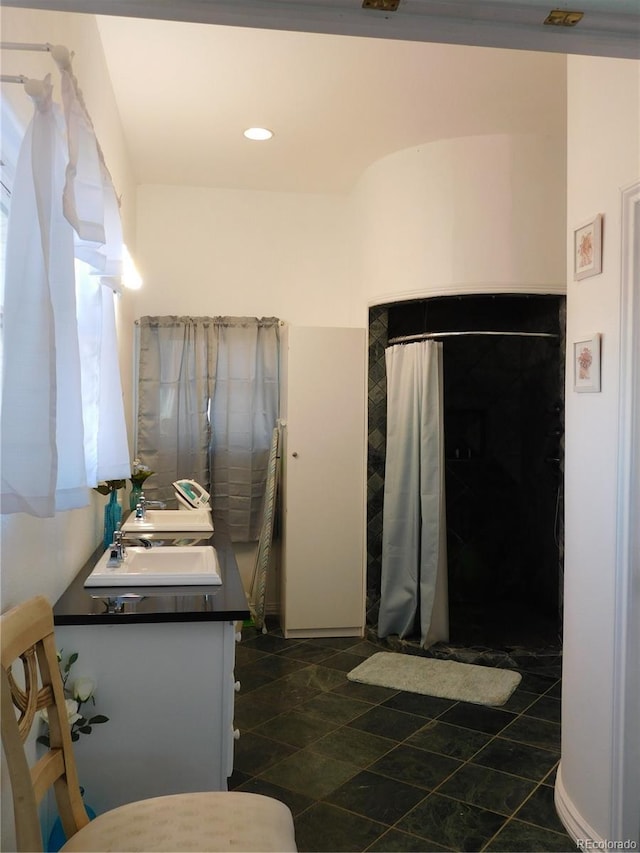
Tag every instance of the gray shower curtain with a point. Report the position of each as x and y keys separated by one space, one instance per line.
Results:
x=413 y=535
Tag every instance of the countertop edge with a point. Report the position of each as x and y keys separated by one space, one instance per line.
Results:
x=226 y=603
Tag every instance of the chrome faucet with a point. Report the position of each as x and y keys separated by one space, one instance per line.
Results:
x=119 y=545
x=144 y=504
x=141 y=506
x=118 y=550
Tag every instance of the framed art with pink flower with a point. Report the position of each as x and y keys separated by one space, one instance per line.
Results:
x=586 y=364
x=587 y=248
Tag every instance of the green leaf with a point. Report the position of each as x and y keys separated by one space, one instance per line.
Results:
x=86 y=730
x=43 y=739
x=99 y=718
x=75 y=736
x=109 y=486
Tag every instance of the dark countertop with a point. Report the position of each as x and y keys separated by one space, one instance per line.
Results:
x=128 y=605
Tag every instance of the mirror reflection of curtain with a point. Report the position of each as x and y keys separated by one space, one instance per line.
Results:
x=244 y=413
x=176 y=375
x=413 y=527
x=208 y=398
x=258 y=588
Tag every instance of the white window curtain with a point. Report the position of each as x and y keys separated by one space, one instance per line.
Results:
x=89 y=199
x=55 y=444
x=105 y=435
x=208 y=398
x=42 y=428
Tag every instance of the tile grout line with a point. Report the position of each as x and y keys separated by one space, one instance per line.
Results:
x=380 y=702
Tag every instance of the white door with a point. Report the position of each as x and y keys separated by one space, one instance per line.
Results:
x=323 y=586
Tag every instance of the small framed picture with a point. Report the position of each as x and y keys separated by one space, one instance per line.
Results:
x=587 y=248
x=586 y=364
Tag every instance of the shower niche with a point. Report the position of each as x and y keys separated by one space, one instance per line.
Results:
x=503 y=427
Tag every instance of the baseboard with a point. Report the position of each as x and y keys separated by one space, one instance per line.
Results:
x=575 y=824
x=302 y=633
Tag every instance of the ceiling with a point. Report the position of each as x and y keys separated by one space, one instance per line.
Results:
x=336 y=102
x=186 y=92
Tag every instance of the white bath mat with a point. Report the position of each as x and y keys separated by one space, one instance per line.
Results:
x=465 y=682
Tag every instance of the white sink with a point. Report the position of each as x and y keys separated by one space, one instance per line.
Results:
x=170 y=565
x=170 y=520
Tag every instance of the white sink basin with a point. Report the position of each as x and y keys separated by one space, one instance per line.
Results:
x=169 y=565
x=170 y=520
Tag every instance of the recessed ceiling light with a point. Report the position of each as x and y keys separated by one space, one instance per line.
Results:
x=259 y=134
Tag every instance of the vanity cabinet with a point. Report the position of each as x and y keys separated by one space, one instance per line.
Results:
x=163 y=663
x=168 y=690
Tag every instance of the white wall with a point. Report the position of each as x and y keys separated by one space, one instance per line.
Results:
x=603 y=156
x=237 y=252
x=205 y=251
x=41 y=556
x=475 y=214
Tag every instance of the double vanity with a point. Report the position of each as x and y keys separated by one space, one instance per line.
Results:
x=156 y=630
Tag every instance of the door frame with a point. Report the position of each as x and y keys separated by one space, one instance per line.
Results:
x=625 y=753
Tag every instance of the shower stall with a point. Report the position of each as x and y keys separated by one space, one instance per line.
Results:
x=503 y=365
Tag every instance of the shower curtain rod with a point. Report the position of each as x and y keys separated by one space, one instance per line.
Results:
x=405 y=339
x=13 y=78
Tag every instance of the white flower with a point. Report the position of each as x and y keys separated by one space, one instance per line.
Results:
x=72 y=712
x=83 y=689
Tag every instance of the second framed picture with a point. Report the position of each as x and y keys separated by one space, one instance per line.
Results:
x=586 y=364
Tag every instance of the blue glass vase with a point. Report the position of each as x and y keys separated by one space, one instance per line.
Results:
x=134 y=496
x=112 y=517
x=57 y=838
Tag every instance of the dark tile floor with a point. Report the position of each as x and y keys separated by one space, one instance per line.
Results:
x=370 y=769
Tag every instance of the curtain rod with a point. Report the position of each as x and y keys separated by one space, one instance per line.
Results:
x=16 y=45
x=59 y=52
x=404 y=339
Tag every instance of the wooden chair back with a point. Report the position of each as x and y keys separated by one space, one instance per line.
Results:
x=27 y=634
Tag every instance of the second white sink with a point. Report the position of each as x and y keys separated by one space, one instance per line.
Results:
x=170 y=520
x=171 y=565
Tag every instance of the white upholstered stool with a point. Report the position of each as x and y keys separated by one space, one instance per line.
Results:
x=204 y=822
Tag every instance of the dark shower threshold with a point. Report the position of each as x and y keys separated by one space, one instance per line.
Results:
x=545 y=660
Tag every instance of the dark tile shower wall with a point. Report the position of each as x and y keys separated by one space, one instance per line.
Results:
x=502 y=486
x=504 y=448
x=377 y=432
